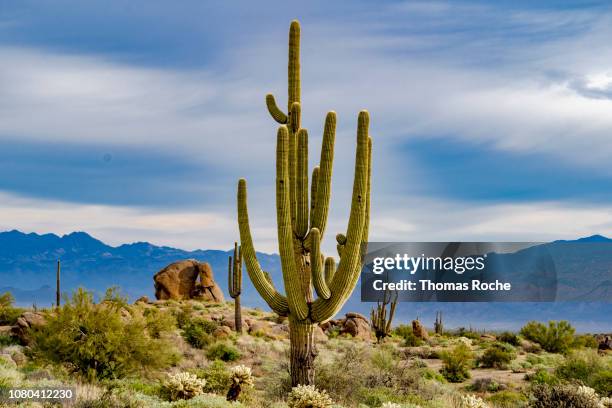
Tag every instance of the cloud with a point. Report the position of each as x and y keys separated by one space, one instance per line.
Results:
x=513 y=82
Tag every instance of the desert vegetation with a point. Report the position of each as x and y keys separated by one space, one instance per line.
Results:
x=170 y=353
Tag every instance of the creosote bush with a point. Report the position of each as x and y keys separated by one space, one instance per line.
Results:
x=587 y=367
x=198 y=332
x=510 y=338
x=223 y=352
x=457 y=363
x=557 y=337
x=97 y=341
x=497 y=355
x=307 y=396
x=8 y=313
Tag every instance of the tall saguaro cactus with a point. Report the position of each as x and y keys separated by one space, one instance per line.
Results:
x=301 y=224
x=438 y=325
x=234 y=272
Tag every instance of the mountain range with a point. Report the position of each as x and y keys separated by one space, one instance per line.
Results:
x=28 y=264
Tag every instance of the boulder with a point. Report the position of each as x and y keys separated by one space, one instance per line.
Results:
x=604 y=342
x=26 y=321
x=188 y=279
x=222 y=332
x=143 y=299
x=357 y=325
x=419 y=330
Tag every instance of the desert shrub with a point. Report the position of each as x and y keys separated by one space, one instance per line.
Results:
x=589 y=368
x=508 y=399
x=557 y=337
x=159 y=321
x=223 y=352
x=563 y=396
x=183 y=315
x=8 y=340
x=457 y=363
x=183 y=386
x=405 y=332
x=198 y=332
x=585 y=340
x=467 y=333
x=497 y=355
x=307 y=396
x=217 y=377
x=485 y=384
x=97 y=342
x=510 y=338
x=542 y=376
x=8 y=313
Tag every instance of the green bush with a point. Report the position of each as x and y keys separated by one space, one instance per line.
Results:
x=585 y=340
x=497 y=355
x=223 y=352
x=589 y=368
x=508 y=399
x=96 y=341
x=557 y=337
x=405 y=332
x=562 y=396
x=542 y=376
x=217 y=377
x=457 y=363
x=8 y=313
x=198 y=332
x=510 y=338
x=159 y=322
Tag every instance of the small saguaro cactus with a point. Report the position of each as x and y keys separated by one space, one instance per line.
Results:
x=438 y=326
x=234 y=271
x=301 y=224
x=381 y=323
x=57 y=284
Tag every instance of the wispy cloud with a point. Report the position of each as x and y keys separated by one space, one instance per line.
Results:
x=517 y=83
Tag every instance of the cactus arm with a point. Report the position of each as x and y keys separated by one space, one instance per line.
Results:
x=347 y=274
x=318 y=279
x=366 y=227
x=313 y=190
x=293 y=127
x=293 y=68
x=263 y=284
x=319 y=215
x=330 y=269
x=277 y=114
x=230 y=277
x=391 y=314
x=301 y=227
x=293 y=282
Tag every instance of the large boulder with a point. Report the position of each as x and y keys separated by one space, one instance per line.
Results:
x=353 y=324
x=188 y=279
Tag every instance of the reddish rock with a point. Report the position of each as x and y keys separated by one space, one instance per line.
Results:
x=188 y=279
x=419 y=330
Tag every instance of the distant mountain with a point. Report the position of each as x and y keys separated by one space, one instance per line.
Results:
x=28 y=261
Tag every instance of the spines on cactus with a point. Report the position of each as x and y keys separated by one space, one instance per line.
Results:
x=302 y=207
x=234 y=272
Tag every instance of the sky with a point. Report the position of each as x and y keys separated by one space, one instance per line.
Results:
x=133 y=121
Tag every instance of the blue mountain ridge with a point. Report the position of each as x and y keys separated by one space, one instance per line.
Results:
x=28 y=262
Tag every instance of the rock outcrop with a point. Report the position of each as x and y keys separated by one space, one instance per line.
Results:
x=354 y=324
x=24 y=322
x=419 y=330
x=188 y=279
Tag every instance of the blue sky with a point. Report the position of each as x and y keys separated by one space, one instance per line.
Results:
x=134 y=120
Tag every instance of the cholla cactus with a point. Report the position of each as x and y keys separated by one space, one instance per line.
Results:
x=242 y=375
x=307 y=396
x=184 y=386
x=606 y=402
x=589 y=394
x=390 y=405
x=472 y=401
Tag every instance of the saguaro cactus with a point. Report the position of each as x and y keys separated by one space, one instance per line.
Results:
x=234 y=272
x=381 y=323
x=57 y=284
x=301 y=224
x=438 y=325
